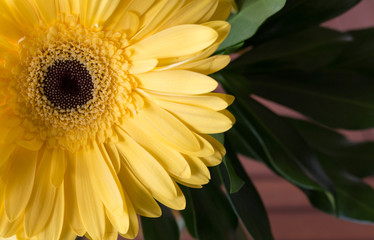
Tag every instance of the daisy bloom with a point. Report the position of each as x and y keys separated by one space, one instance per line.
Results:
x=104 y=107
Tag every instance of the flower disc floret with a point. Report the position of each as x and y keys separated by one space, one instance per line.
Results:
x=109 y=87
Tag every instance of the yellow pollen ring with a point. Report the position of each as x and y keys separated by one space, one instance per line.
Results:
x=102 y=54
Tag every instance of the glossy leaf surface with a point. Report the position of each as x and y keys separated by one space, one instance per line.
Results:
x=246 y=202
x=300 y=14
x=251 y=15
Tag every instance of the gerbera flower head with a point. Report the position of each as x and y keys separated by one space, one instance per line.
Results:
x=104 y=107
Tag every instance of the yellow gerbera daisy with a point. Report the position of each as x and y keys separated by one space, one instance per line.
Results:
x=104 y=106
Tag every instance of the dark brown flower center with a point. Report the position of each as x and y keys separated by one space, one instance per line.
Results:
x=68 y=84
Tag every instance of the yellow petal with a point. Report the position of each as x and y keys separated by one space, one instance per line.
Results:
x=199 y=172
x=171 y=160
x=210 y=13
x=11 y=135
x=54 y=226
x=206 y=147
x=178 y=203
x=228 y=115
x=128 y=22
x=21 y=236
x=219 y=153
x=144 y=166
x=113 y=155
x=42 y=198
x=9 y=120
x=32 y=144
x=16 y=18
x=75 y=7
x=96 y=11
x=58 y=166
x=143 y=66
x=20 y=181
x=191 y=185
x=110 y=231
x=21 y=11
x=111 y=236
x=120 y=222
x=9 y=31
x=174 y=42
x=63 y=6
x=177 y=82
x=140 y=6
x=213 y=101
x=118 y=217
x=223 y=10
x=223 y=29
x=5 y=46
x=134 y=226
x=7 y=228
x=121 y=8
x=207 y=66
x=93 y=163
x=192 y=12
x=47 y=10
x=90 y=206
x=73 y=216
x=152 y=20
x=166 y=128
x=141 y=198
x=200 y=119
x=67 y=232
x=6 y=150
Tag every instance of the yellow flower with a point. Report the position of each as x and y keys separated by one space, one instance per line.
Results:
x=104 y=107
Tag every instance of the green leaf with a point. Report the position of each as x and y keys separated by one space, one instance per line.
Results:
x=321 y=73
x=241 y=233
x=164 y=227
x=246 y=202
x=282 y=148
x=188 y=213
x=300 y=14
x=231 y=49
x=343 y=161
x=215 y=219
x=244 y=134
x=354 y=198
x=323 y=201
x=220 y=137
x=359 y=54
x=235 y=181
x=356 y=158
x=336 y=99
x=246 y=22
x=241 y=145
x=307 y=50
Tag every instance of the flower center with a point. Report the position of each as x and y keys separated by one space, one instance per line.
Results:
x=68 y=84
x=73 y=84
